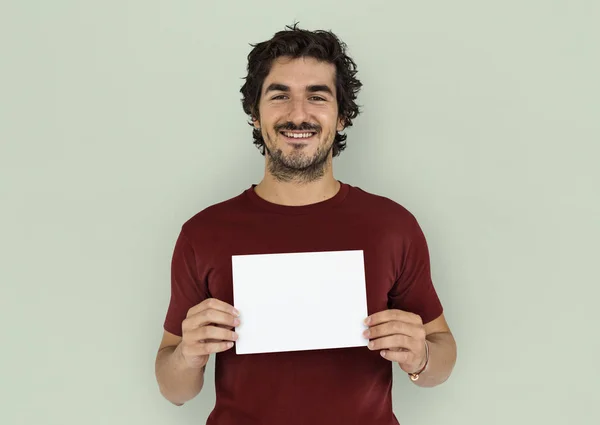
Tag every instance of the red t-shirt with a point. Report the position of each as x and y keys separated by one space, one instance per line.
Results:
x=334 y=386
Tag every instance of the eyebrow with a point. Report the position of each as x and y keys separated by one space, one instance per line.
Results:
x=311 y=89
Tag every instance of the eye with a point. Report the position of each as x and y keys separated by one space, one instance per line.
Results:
x=278 y=97
x=318 y=98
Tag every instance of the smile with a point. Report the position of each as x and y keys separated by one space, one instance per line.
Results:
x=298 y=135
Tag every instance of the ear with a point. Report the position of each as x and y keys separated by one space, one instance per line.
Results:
x=340 y=124
x=256 y=123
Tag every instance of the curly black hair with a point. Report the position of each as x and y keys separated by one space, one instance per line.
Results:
x=296 y=43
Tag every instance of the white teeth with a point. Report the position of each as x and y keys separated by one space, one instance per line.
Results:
x=298 y=135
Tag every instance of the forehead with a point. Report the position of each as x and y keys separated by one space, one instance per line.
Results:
x=300 y=72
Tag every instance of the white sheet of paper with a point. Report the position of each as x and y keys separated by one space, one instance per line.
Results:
x=299 y=301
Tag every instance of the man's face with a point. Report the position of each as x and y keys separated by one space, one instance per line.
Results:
x=299 y=117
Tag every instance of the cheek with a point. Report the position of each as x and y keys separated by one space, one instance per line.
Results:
x=273 y=113
x=329 y=117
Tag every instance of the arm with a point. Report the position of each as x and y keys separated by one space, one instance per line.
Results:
x=177 y=381
x=400 y=333
x=180 y=361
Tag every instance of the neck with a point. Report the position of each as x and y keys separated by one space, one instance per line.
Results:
x=297 y=193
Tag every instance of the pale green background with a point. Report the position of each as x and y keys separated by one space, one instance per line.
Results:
x=121 y=119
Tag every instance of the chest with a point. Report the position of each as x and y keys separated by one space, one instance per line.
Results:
x=294 y=235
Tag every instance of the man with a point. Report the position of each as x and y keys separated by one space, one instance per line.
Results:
x=300 y=93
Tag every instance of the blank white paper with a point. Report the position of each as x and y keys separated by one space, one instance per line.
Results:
x=299 y=301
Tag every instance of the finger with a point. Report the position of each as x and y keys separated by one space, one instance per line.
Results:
x=207 y=348
x=225 y=327
x=407 y=360
x=217 y=347
x=216 y=333
x=389 y=315
x=210 y=316
x=395 y=342
x=394 y=327
x=402 y=357
x=213 y=304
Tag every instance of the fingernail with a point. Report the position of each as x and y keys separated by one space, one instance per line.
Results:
x=383 y=354
x=229 y=344
x=371 y=344
x=367 y=333
x=367 y=320
x=236 y=322
x=236 y=313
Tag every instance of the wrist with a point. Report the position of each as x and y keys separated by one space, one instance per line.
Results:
x=423 y=366
x=179 y=357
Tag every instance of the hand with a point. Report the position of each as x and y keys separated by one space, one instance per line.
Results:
x=208 y=328
x=400 y=336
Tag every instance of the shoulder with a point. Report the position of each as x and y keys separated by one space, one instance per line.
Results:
x=382 y=207
x=213 y=216
x=388 y=218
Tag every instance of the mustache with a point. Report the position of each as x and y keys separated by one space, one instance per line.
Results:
x=290 y=126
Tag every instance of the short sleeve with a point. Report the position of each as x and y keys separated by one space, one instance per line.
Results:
x=414 y=290
x=187 y=289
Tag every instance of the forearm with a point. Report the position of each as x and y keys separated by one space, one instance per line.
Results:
x=442 y=357
x=177 y=382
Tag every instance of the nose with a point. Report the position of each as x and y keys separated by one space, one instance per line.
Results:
x=298 y=112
